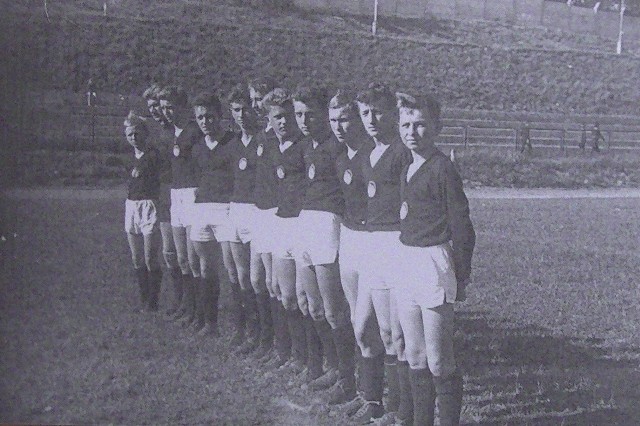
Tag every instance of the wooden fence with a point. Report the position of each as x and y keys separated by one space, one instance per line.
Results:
x=65 y=122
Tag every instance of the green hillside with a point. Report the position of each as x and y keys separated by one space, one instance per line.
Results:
x=203 y=44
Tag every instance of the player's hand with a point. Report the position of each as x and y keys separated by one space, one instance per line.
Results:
x=135 y=172
x=461 y=294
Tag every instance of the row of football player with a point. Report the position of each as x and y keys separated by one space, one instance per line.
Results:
x=340 y=225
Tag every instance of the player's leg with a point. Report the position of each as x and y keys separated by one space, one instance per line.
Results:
x=241 y=256
x=263 y=299
x=237 y=309
x=136 y=245
x=438 y=325
x=372 y=348
x=420 y=378
x=286 y=281
x=404 y=409
x=171 y=263
x=310 y=303
x=278 y=313
x=339 y=341
x=382 y=304
x=152 y=241
x=208 y=287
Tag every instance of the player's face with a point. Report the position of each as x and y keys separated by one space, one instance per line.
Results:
x=207 y=119
x=417 y=129
x=341 y=121
x=136 y=136
x=309 y=119
x=153 y=105
x=282 y=121
x=378 y=120
x=243 y=115
x=168 y=110
x=256 y=100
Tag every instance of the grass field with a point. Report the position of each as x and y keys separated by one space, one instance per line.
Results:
x=549 y=335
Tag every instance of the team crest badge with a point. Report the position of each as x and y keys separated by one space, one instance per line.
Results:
x=135 y=172
x=312 y=171
x=242 y=164
x=280 y=172
x=347 y=177
x=176 y=151
x=404 y=210
x=260 y=150
x=371 y=189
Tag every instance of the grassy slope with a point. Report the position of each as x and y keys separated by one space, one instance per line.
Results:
x=470 y=65
x=549 y=334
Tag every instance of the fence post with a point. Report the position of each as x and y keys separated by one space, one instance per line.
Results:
x=465 y=135
x=610 y=134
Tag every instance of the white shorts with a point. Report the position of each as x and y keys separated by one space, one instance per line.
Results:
x=319 y=237
x=140 y=217
x=181 y=201
x=243 y=218
x=286 y=241
x=211 y=222
x=351 y=243
x=380 y=251
x=427 y=276
x=263 y=232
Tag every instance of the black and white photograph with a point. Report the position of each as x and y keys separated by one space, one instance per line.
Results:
x=320 y=212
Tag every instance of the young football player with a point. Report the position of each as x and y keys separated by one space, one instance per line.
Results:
x=264 y=237
x=184 y=181
x=287 y=160
x=248 y=261
x=141 y=221
x=211 y=226
x=163 y=138
x=434 y=262
x=347 y=129
x=317 y=261
x=375 y=302
x=258 y=89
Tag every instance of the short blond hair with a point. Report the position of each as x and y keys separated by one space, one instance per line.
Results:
x=135 y=120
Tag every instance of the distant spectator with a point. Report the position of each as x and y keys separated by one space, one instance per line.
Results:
x=525 y=137
x=596 y=137
x=583 y=137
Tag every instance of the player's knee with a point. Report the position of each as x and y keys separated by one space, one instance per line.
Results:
x=290 y=303
x=387 y=338
x=316 y=312
x=416 y=356
x=170 y=259
x=440 y=366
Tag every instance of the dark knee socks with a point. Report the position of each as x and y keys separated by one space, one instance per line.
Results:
x=237 y=311
x=154 y=279
x=208 y=297
x=176 y=283
x=280 y=328
x=323 y=329
x=405 y=409
x=449 y=393
x=143 y=285
x=391 y=374
x=372 y=378
x=344 y=343
x=250 y=309
x=424 y=396
x=266 y=321
x=314 y=347
x=295 y=324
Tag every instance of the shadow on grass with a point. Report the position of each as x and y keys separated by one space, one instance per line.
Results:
x=526 y=375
